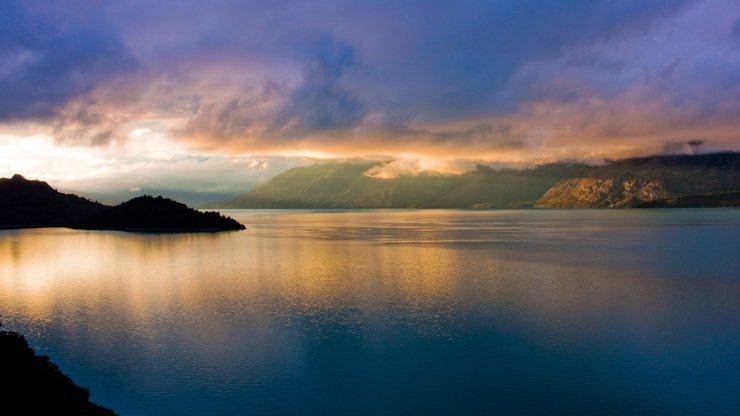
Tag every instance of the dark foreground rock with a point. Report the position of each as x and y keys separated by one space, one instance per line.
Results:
x=33 y=385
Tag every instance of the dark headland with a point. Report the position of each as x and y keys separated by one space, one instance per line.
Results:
x=33 y=385
x=31 y=204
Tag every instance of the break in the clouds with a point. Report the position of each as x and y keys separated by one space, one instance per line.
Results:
x=508 y=79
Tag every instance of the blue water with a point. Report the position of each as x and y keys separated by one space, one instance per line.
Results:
x=541 y=312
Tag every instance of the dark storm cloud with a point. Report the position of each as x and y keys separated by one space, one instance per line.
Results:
x=266 y=75
x=441 y=59
x=458 y=58
x=46 y=61
x=593 y=60
x=320 y=102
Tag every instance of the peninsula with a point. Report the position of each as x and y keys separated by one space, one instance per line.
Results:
x=32 y=204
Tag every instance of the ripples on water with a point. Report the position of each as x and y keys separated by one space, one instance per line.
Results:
x=392 y=312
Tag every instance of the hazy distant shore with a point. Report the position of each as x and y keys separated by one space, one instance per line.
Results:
x=617 y=184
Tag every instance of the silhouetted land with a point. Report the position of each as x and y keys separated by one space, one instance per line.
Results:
x=147 y=213
x=31 y=204
x=710 y=200
x=33 y=385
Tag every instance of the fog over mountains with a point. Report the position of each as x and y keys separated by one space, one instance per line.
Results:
x=619 y=183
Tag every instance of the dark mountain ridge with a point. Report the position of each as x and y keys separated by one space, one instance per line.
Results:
x=718 y=159
x=717 y=199
x=31 y=204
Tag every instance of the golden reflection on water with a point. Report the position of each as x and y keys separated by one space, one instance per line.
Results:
x=304 y=300
x=275 y=271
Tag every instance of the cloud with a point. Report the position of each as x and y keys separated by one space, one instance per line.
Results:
x=320 y=102
x=516 y=79
x=47 y=61
x=457 y=60
x=88 y=122
x=221 y=120
x=394 y=169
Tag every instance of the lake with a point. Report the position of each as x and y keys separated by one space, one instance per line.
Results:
x=392 y=312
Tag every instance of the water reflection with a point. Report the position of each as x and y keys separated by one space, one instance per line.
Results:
x=392 y=312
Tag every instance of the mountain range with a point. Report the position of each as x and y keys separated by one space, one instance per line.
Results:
x=347 y=185
x=617 y=183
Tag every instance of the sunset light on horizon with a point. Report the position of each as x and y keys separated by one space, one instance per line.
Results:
x=369 y=207
x=176 y=90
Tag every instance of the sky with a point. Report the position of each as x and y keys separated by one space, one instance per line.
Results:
x=214 y=97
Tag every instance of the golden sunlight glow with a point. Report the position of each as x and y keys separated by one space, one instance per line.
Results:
x=144 y=150
x=39 y=157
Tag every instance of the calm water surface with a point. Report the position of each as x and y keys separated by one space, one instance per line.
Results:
x=392 y=312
